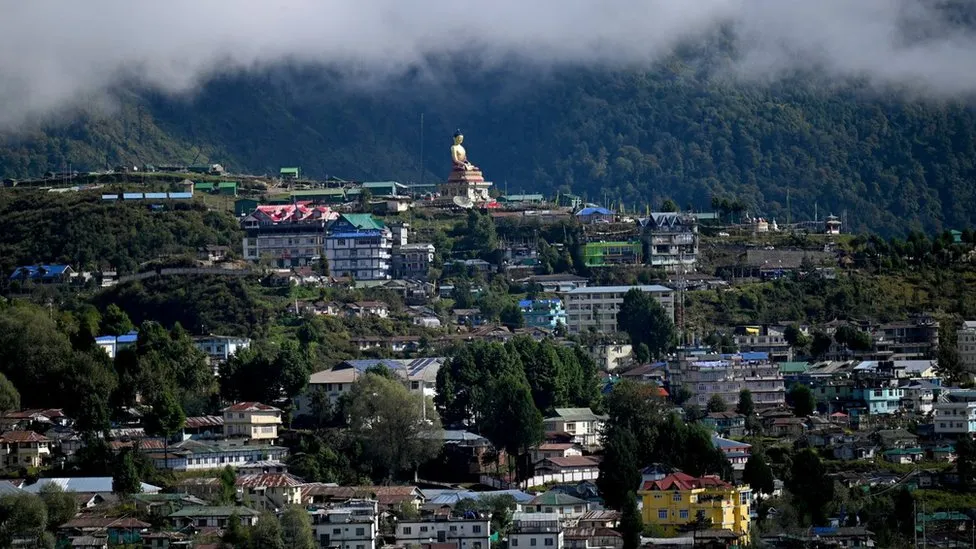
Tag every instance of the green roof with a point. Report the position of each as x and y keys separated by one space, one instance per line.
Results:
x=363 y=222
x=227 y=185
x=555 y=498
x=793 y=367
x=320 y=192
x=903 y=452
x=289 y=171
x=376 y=184
x=223 y=511
x=203 y=186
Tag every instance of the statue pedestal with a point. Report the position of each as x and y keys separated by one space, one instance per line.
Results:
x=467 y=183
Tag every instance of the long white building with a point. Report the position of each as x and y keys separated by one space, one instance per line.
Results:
x=966 y=345
x=597 y=306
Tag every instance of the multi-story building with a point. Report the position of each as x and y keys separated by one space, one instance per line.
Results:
x=727 y=375
x=764 y=339
x=413 y=261
x=200 y=455
x=955 y=413
x=360 y=246
x=596 y=307
x=883 y=399
x=213 y=517
x=673 y=240
x=113 y=345
x=252 y=421
x=543 y=313
x=966 y=345
x=535 y=530
x=462 y=533
x=289 y=235
x=351 y=525
x=917 y=338
x=581 y=423
x=24 y=449
x=674 y=500
x=221 y=348
x=569 y=508
x=606 y=254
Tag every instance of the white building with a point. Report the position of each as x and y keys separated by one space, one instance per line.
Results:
x=413 y=261
x=359 y=246
x=955 y=413
x=567 y=507
x=966 y=344
x=596 y=307
x=673 y=239
x=535 y=530
x=584 y=426
x=727 y=375
x=221 y=348
x=269 y=491
x=464 y=533
x=353 y=525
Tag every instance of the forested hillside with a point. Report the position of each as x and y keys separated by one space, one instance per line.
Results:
x=891 y=164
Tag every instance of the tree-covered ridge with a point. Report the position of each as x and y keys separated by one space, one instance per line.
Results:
x=88 y=233
x=892 y=164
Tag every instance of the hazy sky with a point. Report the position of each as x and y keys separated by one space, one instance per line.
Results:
x=56 y=53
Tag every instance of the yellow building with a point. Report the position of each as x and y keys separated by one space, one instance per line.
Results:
x=674 y=500
x=24 y=449
x=252 y=421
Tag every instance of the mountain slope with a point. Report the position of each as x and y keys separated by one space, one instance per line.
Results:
x=637 y=137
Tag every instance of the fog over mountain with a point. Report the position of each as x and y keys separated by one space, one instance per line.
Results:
x=60 y=54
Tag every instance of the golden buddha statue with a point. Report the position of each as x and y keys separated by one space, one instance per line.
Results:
x=459 y=156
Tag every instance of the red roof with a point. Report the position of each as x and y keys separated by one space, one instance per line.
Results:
x=204 y=421
x=267 y=480
x=33 y=413
x=250 y=407
x=23 y=436
x=555 y=446
x=294 y=213
x=683 y=481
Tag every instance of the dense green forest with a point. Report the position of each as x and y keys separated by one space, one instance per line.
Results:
x=88 y=233
x=887 y=164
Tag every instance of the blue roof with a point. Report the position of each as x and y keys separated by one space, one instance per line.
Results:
x=362 y=234
x=38 y=272
x=105 y=339
x=754 y=356
x=594 y=211
x=83 y=485
x=130 y=337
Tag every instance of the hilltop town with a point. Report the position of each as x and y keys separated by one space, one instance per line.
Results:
x=196 y=358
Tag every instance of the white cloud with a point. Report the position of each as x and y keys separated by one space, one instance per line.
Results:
x=56 y=53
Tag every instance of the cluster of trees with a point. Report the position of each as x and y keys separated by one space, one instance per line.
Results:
x=89 y=233
x=503 y=390
x=292 y=530
x=639 y=431
x=29 y=519
x=651 y=331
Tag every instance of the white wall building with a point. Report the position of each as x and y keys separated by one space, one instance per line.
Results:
x=584 y=425
x=221 y=348
x=597 y=306
x=955 y=413
x=466 y=533
x=290 y=235
x=535 y=531
x=354 y=525
x=359 y=246
x=673 y=239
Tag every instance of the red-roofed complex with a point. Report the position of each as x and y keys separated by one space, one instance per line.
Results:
x=292 y=235
x=676 y=499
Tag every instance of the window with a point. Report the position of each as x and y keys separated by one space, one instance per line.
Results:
x=476 y=528
x=407 y=530
x=454 y=528
x=662 y=514
x=336 y=531
x=549 y=542
x=676 y=497
x=532 y=542
x=477 y=545
x=514 y=542
x=683 y=514
x=423 y=528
